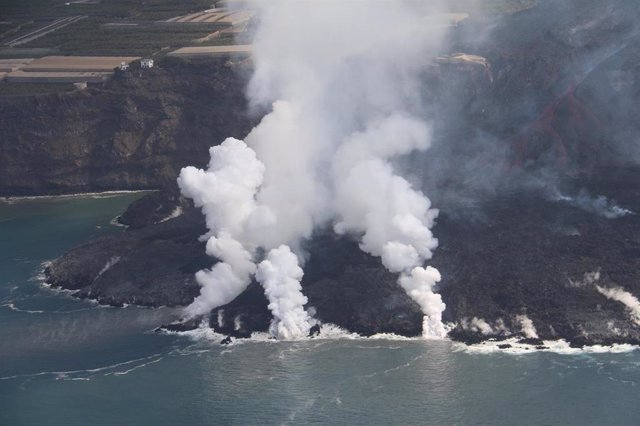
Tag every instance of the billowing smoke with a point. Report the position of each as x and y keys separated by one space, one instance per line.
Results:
x=631 y=302
x=342 y=83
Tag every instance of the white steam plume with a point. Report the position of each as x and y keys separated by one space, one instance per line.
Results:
x=280 y=276
x=600 y=205
x=394 y=219
x=527 y=327
x=343 y=83
x=226 y=194
x=627 y=299
x=479 y=325
x=419 y=286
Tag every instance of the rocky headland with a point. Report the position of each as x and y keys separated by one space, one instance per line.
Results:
x=135 y=132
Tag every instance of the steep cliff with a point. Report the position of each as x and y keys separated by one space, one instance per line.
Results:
x=134 y=132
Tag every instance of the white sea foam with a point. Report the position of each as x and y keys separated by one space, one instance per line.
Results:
x=40 y=278
x=87 y=373
x=122 y=373
x=14 y=308
x=114 y=222
x=59 y=290
x=40 y=275
x=332 y=332
x=103 y=194
x=555 y=346
x=328 y=331
x=201 y=333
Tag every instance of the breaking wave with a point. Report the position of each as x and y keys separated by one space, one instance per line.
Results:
x=12 y=306
x=491 y=346
x=562 y=347
x=327 y=332
x=87 y=374
x=95 y=195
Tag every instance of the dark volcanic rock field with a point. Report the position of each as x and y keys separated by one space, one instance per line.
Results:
x=527 y=137
x=520 y=253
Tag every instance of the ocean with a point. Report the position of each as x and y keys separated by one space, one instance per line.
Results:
x=69 y=362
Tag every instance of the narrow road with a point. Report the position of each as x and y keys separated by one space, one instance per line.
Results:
x=55 y=25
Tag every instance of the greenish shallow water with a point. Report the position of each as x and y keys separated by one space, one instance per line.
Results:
x=64 y=361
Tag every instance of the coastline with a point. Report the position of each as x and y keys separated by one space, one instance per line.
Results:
x=100 y=194
x=332 y=332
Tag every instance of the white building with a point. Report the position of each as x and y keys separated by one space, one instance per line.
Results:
x=146 y=63
x=124 y=66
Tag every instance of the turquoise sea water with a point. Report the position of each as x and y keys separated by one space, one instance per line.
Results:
x=69 y=362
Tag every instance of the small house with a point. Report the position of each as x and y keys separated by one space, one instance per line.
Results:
x=146 y=63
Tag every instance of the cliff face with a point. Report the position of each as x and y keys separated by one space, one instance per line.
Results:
x=135 y=132
x=552 y=87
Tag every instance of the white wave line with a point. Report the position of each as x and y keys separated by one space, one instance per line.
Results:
x=103 y=194
x=90 y=371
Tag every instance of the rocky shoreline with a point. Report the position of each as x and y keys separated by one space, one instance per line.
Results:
x=520 y=255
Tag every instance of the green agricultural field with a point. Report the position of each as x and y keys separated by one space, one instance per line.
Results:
x=138 y=33
x=5 y=26
x=30 y=89
x=9 y=53
x=92 y=37
x=132 y=9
